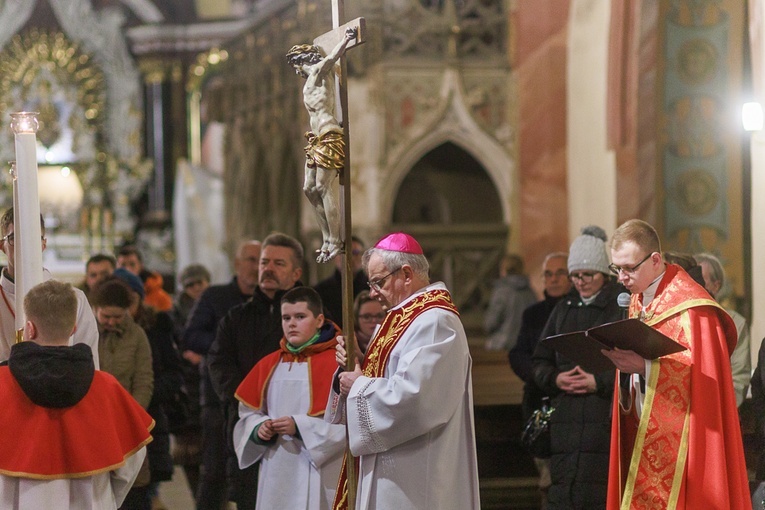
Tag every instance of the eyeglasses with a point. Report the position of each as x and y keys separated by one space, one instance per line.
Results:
x=583 y=277
x=560 y=273
x=192 y=283
x=372 y=316
x=628 y=270
x=11 y=239
x=377 y=285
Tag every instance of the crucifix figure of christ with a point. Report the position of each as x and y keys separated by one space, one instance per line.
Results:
x=327 y=146
x=328 y=155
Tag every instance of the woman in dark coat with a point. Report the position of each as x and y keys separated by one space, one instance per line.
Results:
x=168 y=380
x=580 y=426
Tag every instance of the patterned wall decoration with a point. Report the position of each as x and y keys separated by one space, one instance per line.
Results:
x=51 y=73
x=696 y=92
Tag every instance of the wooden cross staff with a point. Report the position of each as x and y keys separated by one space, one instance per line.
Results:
x=326 y=42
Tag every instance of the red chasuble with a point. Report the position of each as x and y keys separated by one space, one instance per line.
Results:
x=685 y=451
x=321 y=367
x=95 y=435
x=388 y=334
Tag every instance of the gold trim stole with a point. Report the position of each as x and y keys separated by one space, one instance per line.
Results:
x=391 y=330
x=657 y=466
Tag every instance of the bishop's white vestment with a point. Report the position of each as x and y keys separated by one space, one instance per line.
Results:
x=412 y=427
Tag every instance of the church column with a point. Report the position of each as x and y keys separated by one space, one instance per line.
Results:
x=591 y=164
x=160 y=80
x=164 y=144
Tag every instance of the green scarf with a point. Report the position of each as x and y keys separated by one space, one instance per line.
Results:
x=297 y=350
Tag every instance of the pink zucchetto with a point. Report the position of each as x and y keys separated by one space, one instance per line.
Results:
x=401 y=242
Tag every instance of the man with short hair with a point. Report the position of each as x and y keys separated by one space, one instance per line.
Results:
x=197 y=338
x=87 y=329
x=330 y=289
x=409 y=409
x=556 y=285
x=82 y=437
x=741 y=359
x=97 y=268
x=245 y=335
x=131 y=259
x=675 y=437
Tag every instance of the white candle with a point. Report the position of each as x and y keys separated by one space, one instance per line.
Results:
x=27 y=231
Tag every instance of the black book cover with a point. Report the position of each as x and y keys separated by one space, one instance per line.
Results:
x=583 y=347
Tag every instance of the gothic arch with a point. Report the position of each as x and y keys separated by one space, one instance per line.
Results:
x=453 y=206
x=447 y=187
x=455 y=125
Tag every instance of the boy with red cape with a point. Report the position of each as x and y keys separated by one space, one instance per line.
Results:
x=73 y=437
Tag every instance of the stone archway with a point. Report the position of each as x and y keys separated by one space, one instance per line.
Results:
x=450 y=204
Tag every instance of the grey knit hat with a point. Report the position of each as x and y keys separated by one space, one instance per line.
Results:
x=193 y=273
x=588 y=251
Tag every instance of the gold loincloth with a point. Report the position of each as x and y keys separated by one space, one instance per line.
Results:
x=325 y=151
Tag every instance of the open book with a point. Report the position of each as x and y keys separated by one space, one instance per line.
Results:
x=583 y=347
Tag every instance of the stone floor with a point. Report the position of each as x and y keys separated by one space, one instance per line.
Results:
x=175 y=494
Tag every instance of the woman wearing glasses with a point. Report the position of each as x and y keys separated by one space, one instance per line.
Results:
x=368 y=314
x=580 y=424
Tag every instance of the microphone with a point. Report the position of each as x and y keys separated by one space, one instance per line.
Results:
x=623 y=300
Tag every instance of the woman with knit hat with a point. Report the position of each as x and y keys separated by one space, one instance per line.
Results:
x=580 y=425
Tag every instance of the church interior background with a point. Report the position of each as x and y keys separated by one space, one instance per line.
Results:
x=479 y=126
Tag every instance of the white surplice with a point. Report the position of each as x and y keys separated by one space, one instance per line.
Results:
x=87 y=329
x=413 y=429
x=294 y=472
x=103 y=491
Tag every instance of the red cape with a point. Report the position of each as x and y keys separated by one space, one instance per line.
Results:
x=95 y=435
x=714 y=474
x=321 y=368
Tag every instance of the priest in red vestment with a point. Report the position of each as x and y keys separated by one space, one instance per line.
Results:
x=73 y=438
x=675 y=436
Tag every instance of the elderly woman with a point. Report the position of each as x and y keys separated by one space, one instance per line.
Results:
x=580 y=424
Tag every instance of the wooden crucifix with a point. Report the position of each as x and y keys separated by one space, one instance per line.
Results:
x=328 y=155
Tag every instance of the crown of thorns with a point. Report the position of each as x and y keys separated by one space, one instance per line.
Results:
x=301 y=49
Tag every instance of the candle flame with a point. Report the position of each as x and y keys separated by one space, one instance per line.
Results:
x=24 y=122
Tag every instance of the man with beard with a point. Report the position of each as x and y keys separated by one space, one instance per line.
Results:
x=245 y=335
x=325 y=152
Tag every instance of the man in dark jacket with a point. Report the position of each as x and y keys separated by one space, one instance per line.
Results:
x=331 y=290
x=198 y=336
x=557 y=285
x=246 y=334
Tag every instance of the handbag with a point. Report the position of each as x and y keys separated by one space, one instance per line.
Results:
x=536 y=434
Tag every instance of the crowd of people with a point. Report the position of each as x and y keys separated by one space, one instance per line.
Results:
x=254 y=380
x=647 y=433
x=249 y=377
